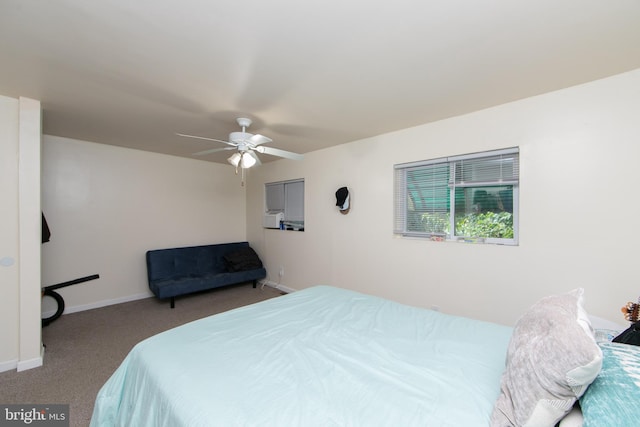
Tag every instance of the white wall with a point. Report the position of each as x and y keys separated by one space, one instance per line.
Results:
x=106 y=206
x=30 y=147
x=20 y=331
x=9 y=222
x=578 y=153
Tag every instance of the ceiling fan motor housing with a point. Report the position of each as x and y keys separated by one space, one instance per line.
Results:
x=244 y=122
x=240 y=138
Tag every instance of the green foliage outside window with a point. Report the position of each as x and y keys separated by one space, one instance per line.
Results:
x=486 y=224
x=436 y=223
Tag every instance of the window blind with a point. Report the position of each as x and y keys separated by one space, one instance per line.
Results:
x=486 y=169
x=286 y=197
x=427 y=194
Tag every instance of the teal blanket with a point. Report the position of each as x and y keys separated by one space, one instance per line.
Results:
x=319 y=357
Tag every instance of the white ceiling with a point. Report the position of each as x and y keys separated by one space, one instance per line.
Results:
x=311 y=74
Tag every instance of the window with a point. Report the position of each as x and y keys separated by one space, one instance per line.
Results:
x=472 y=197
x=287 y=197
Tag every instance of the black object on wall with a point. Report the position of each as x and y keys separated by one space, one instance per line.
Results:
x=46 y=233
x=342 y=200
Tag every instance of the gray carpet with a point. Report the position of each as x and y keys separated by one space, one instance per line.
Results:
x=83 y=349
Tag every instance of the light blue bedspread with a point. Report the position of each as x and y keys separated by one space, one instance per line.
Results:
x=319 y=357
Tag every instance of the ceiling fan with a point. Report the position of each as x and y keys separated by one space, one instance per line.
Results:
x=247 y=145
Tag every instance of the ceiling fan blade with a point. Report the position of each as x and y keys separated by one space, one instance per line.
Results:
x=255 y=156
x=213 y=150
x=205 y=138
x=280 y=153
x=259 y=139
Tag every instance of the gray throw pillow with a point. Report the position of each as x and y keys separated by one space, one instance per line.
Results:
x=551 y=360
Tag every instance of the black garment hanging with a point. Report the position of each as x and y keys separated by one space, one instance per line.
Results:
x=46 y=233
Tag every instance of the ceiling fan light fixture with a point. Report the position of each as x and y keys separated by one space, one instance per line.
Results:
x=247 y=161
x=243 y=160
x=235 y=159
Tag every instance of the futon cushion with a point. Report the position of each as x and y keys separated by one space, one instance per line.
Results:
x=551 y=360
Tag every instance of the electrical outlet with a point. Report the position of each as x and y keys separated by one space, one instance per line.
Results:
x=281 y=272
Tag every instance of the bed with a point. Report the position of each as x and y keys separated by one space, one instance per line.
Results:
x=323 y=356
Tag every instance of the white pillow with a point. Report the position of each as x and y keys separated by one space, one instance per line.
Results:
x=551 y=360
x=573 y=418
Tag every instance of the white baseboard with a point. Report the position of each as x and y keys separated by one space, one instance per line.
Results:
x=104 y=303
x=279 y=286
x=9 y=365
x=98 y=304
x=36 y=362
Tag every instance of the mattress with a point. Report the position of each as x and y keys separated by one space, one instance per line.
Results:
x=323 y=356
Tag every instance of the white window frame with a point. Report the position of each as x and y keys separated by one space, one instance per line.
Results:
x=286 y=197
x=495 y=177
